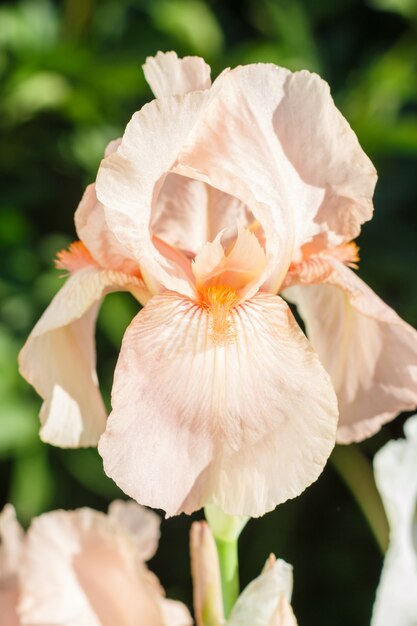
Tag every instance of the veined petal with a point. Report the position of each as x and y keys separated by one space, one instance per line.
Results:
x=368 y=350
x=129 y=180
x=58 y=358
x=81 y=569
x=266 y=600
x=141 y=523
x=395 y=468
x=167 y=75
x=244 y=424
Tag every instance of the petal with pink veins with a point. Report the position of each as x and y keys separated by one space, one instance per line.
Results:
x=368 y=350
x=59 y=359
x=167 y=75
x=244 y=423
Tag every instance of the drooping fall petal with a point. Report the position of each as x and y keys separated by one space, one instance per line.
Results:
x=395 y=468
x=82 y=568
x=167 y=75
x=59 y=359
x=11 y=541
x=368 y=350
x=266 y=600
x=233 y=409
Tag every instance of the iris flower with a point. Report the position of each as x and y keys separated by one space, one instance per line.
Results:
x=205 y=210
x=84 y=568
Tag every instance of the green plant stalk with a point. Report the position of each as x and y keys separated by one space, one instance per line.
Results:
x=356 y=471
x=229 y=572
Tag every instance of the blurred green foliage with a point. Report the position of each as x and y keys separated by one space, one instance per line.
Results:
x=70 y=78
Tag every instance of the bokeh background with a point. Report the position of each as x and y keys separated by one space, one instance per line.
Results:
x=70 y=79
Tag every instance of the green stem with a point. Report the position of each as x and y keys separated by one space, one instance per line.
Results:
x=356 y=471
x=229 y=572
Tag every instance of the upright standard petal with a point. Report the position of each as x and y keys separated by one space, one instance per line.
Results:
x=94 y=232
x=395 y=468
x=167 y=75
x=276 y=141
x=189 y=213
x=11 y=542
x=266 y=600
x=369 y=352
x=239 y=414
x=59 y=358
x=130 y=179
x=82 y=568
x=326 y=153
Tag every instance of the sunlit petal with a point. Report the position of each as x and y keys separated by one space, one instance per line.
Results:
x=129 y=180
x=245 y=420
x=167 y=75
x=93 y=230
x=369 y=352
x=59 y=358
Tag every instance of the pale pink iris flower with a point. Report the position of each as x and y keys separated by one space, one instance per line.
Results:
x=264 y=602
x=395 y=467
x=204 y=211
x=84 y=568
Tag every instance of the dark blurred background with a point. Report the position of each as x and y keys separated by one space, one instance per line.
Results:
x=70 y=79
